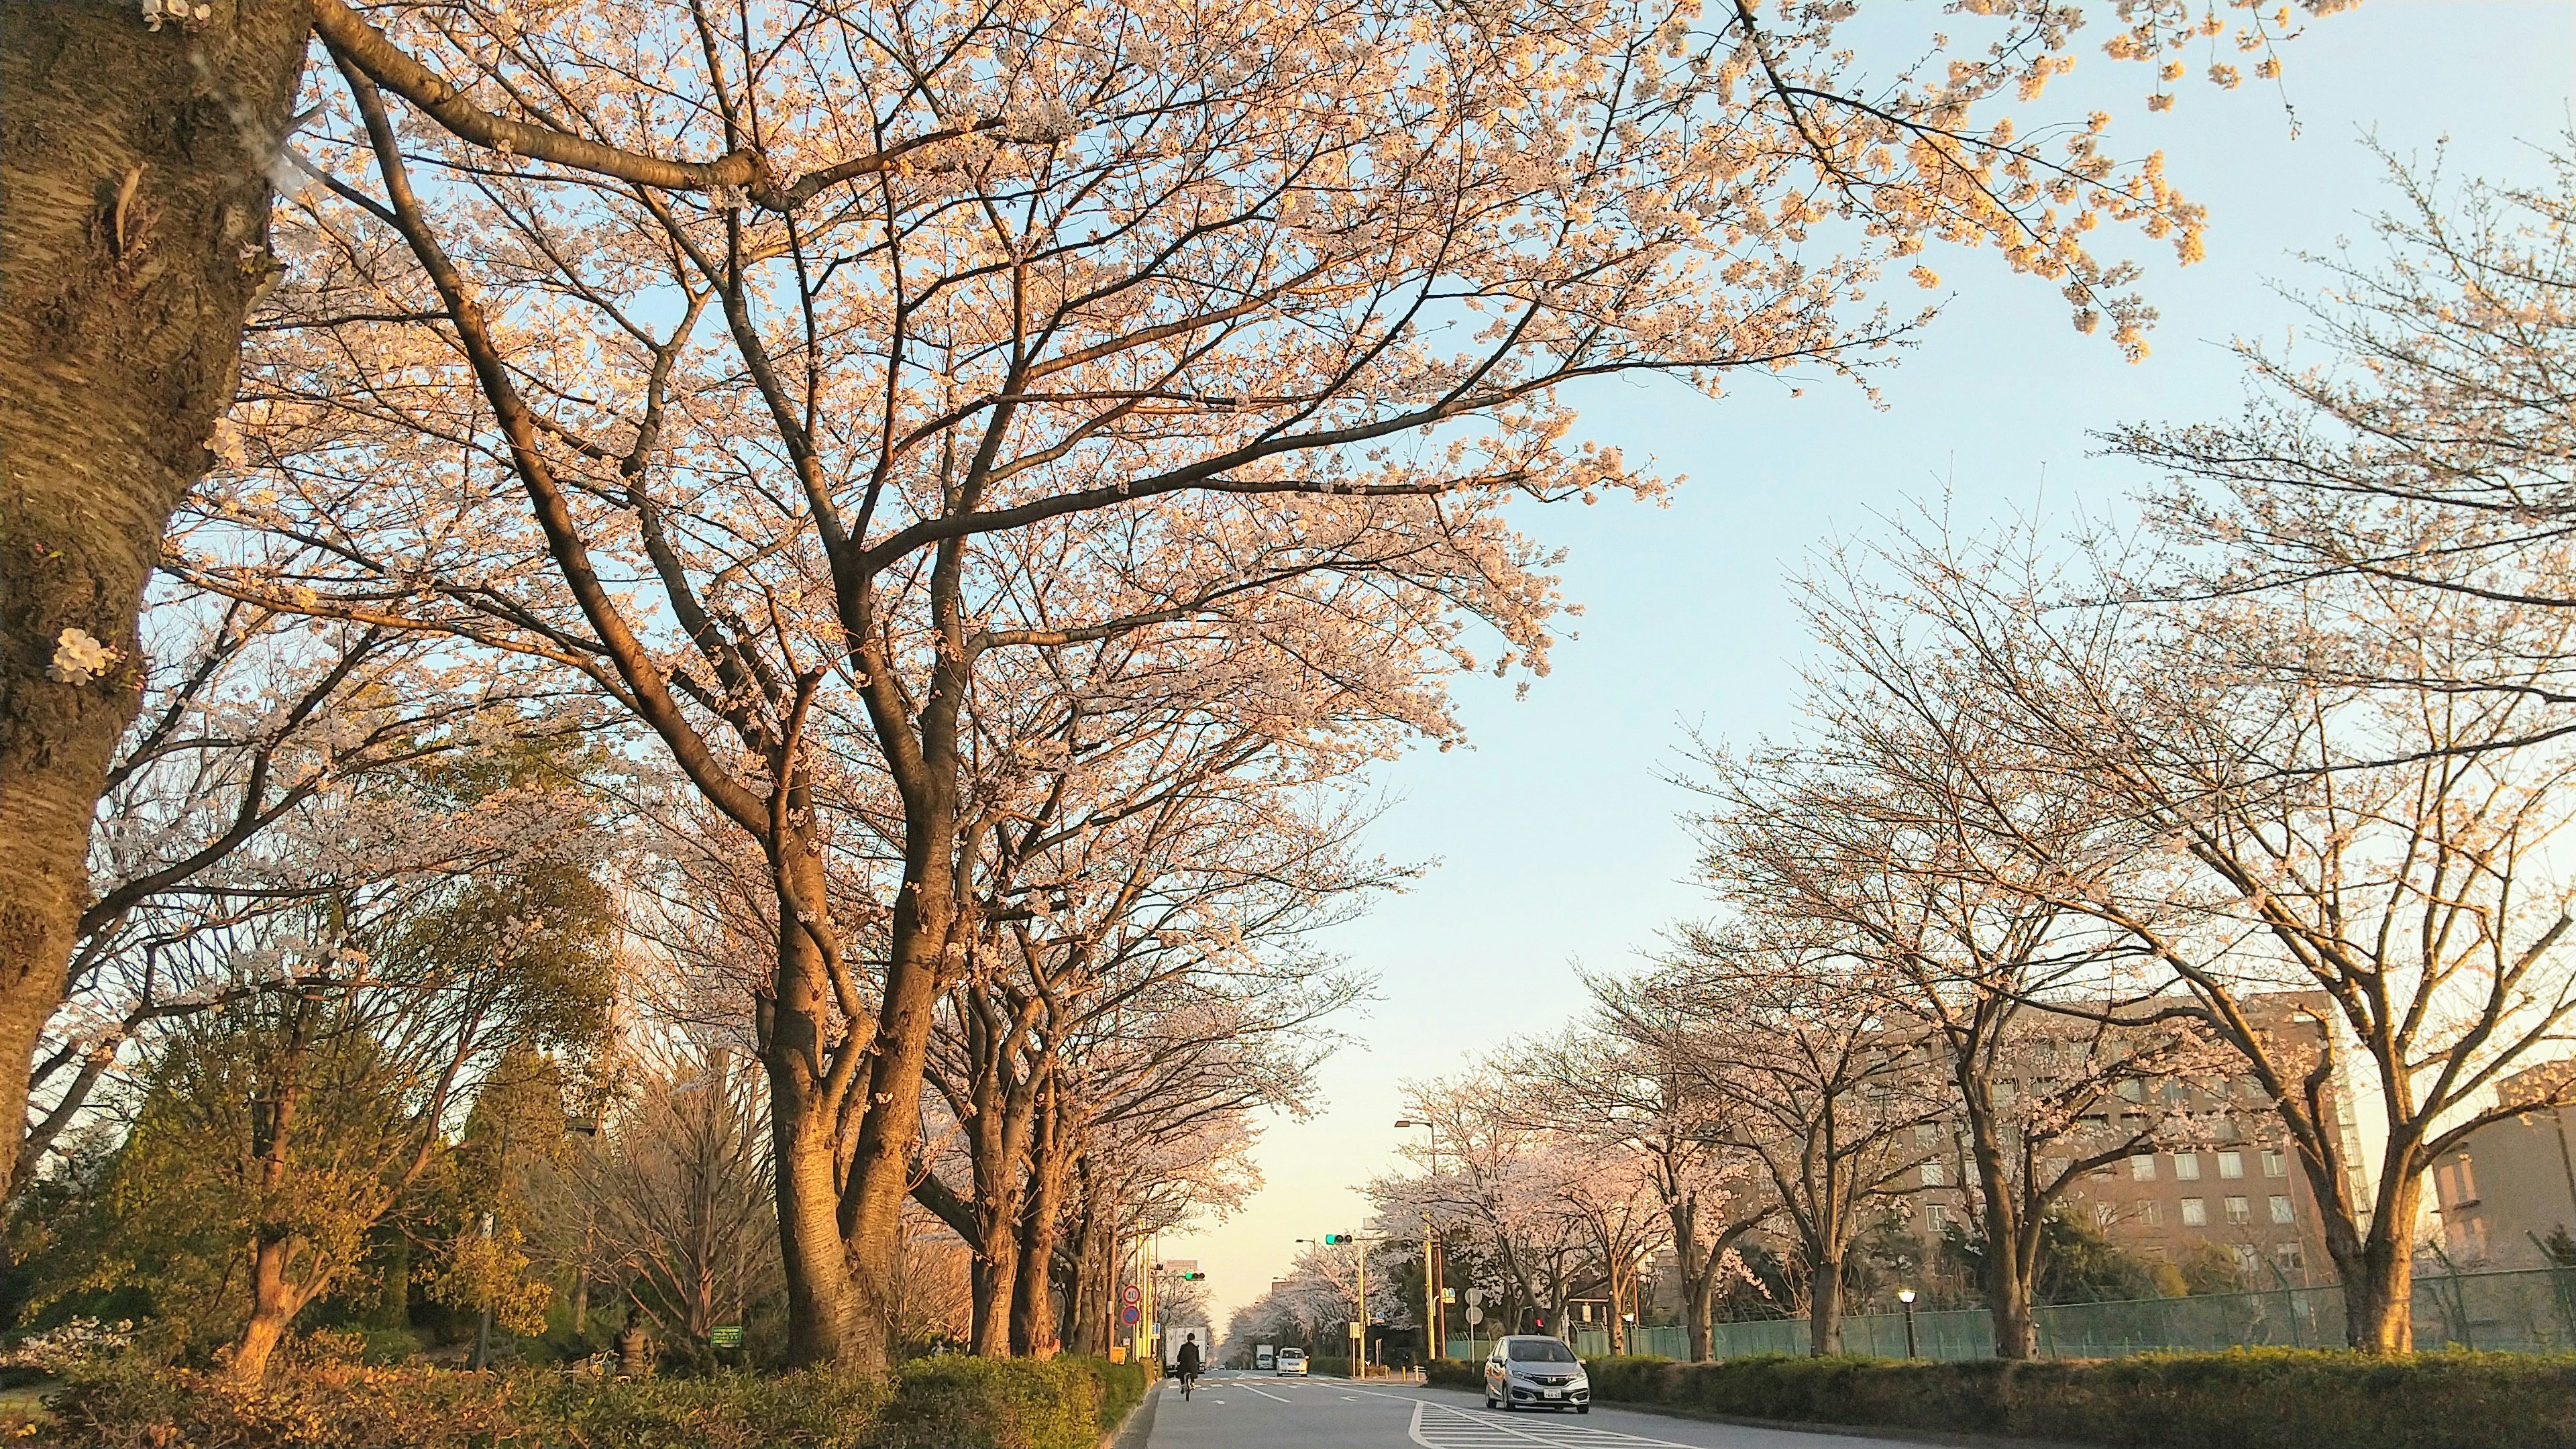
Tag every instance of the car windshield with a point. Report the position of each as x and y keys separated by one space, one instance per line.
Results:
x=1293 y=1353
x=1537 y=1350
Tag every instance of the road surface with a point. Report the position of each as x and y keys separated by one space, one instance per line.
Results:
x=1231 y=1410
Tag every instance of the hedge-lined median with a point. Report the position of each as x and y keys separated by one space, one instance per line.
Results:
x=951 y=1403
x=2275 y=1398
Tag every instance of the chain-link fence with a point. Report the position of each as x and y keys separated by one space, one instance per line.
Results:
x=2527 y=1311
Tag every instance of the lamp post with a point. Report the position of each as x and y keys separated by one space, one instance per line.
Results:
x=1906 y=1297
x=1432 y=1335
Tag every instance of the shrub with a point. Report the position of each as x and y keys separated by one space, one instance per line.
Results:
x=2279 y=1398
x=953 y=1403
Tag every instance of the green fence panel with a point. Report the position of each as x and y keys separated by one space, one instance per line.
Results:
x=2530 y=1310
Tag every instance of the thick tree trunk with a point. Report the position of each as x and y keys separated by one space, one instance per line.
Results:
x=1089 y=1309
x=2379 y=1280
x=1825 y=1309
x=995 y=1275
x=824 y=1325
x=1033 y=1318
x=274 y=1302
x=133 y=240
x=880 y=1176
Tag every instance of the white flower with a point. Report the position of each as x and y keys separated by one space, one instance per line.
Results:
x=1041 y=122
x=78 y=658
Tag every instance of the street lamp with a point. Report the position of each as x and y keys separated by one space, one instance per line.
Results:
x=1906 y=1297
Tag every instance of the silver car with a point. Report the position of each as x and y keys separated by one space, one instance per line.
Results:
x=1530 y=1370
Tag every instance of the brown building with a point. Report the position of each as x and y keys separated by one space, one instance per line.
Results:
x=2503 y=1193
x=2239 y=1186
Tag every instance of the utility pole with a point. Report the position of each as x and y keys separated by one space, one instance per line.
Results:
x=1431 y=1345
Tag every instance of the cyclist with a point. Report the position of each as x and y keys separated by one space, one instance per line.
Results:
x=1189 y=1363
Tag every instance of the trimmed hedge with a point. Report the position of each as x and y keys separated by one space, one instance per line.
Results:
x=2276 y=1398
x=953 y=1403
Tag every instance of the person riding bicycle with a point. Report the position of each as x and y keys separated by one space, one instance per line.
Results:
x=1189 y=1361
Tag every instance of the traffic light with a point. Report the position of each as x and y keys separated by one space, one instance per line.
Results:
x=1191 y=1277
x=1337 y=1237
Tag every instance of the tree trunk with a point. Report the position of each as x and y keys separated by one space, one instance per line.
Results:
x=880 y=1169
x=1033 y=1318
x=996 y=1274
x=133 y=241
x=274 y=1302
x=823 y=1318
x=1699 y=1301
x=2379 y=1281
x=1825 y=1309
x=1089 y=1309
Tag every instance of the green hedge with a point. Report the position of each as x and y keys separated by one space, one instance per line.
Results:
x=952 y=1403
x=2276 y=1398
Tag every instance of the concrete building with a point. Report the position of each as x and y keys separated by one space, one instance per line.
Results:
x=2505 y=1191
x=2238 y=1186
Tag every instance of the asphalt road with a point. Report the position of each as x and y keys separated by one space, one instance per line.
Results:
x=1257 y=1411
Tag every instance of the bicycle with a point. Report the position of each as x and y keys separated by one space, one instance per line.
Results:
x=1188 y=1381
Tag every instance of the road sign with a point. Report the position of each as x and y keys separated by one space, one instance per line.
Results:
x=1131 y=1295
x=1130 y=1314
x=725 y=1335
x=1448 y=1295
x=1182 y=1266
x=1475 y=1295
x=1475 y=1315
x=1358 y=1330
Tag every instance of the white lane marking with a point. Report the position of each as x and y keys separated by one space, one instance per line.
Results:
x=1460 y=1429
x=1266 y=1394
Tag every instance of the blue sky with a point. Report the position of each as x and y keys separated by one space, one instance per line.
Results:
x=1555 y=832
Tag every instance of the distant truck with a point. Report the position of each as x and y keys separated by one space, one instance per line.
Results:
x=1266 y=1357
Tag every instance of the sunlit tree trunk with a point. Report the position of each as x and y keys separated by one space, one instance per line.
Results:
x=132 y=243
x=823 y=1307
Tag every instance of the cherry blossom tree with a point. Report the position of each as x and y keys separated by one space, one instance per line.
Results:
x=2280 y=831
x=1061 y=294
x=1787 y=1024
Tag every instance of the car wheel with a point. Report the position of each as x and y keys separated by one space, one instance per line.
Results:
x=1489 y=1401
x=1583 y=1408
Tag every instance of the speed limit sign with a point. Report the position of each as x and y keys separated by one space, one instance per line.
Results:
x=1131 y=1295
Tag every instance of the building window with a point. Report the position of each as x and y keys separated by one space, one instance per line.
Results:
x=2195 y=1213
x=2231 y=1164
x=2133 y=1090
x=2274 y=1165
x=2105 y=1215
x=2151 y=1214
x=2280 y=1208
x=2239 y=1210
x=1923 y=1133
x=1932 y=1174
x=2187 y=1166
x=2247 y=1260
x=1937 y=1216
x=2290 y=1258
x=2142 y=1168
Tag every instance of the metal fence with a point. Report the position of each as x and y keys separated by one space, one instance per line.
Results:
x=2527 y=1311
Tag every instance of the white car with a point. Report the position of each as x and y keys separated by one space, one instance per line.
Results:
x=1292 y=1361
x=1533 y=1371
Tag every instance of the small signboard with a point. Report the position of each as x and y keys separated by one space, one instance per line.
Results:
x=725 y=1335
x=1130 y=1314
x=1448 y=1295
x=1358 y=1330
x=1117 y=1353
x=1180 y=1265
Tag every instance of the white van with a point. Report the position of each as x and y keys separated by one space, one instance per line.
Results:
x=1292 y=1361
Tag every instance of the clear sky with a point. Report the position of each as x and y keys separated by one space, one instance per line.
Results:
x=1555 y=835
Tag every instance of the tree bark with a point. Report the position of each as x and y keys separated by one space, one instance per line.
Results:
x=1033 y=1316
x=133 y=241
x=274 y=1303
x=824 y=1324
x=2379 y=1279
x=880 y=1169
x=1825 y=1309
